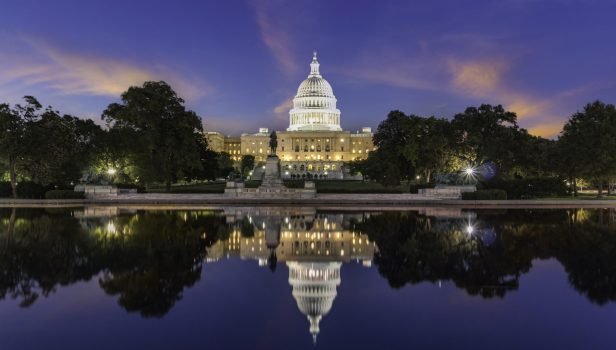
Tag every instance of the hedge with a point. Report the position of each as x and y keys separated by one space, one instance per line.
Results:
x=529 y=187
x=485 y=195
x=5 y=189
x=64 y=194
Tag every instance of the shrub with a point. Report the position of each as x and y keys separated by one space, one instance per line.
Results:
x=294 y=183
x=64 y=194
x=529 y=187
x=252 y=183
x=5 y=190
x=129 y=186
x=29 y=189
x=485 y=195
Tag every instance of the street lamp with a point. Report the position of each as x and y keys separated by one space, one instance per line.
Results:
x=111 y=171
x=469 y=174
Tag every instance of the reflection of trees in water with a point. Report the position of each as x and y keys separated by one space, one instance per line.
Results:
x=489 y=262
x=147 y=258
x=414 y=249
x=40 y=253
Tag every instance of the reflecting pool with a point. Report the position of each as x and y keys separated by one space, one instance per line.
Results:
x=305 y=278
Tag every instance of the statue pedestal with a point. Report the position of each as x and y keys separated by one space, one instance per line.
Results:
x=271 y=177
x=272 y=186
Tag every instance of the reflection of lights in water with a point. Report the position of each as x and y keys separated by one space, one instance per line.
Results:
x=469 y=229
x=111 y=227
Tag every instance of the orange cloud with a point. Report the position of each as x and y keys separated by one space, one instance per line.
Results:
x=527 y=107
x=71 y=73
x=275 y=38
x=547 y=130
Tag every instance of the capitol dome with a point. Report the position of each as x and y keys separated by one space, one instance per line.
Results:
x=314 y=105
x=314 y=289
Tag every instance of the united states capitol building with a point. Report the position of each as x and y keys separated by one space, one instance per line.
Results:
x=314 y=144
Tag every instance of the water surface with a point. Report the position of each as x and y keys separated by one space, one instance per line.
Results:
x=300 y=278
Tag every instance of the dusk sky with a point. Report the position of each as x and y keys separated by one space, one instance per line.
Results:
x=238 y=63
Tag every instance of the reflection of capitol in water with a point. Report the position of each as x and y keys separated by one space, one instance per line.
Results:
x=314 y=289
x=314 y=246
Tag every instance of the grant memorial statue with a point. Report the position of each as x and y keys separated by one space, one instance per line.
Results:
x=273 y=143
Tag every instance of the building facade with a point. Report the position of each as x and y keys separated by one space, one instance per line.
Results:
x=314 y=145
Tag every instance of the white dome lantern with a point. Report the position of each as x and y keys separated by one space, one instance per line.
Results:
x=314 y=105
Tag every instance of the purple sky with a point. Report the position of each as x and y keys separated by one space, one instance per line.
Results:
x=238 y=63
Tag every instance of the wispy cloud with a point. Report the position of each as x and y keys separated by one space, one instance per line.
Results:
x=41 y=65
x=276 y=38
x=281 y=111
x=477 y=78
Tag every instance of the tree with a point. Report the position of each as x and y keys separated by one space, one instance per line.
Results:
x=58 y=148
x=434 y=147
x=13 y=123
x=113 y=154
x=397 y=148
x=247 y=164
x=486 y=133
x=588 y=141
x=169 y=137
x=225 y=164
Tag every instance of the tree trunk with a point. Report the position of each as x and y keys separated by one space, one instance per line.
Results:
x=609 y=187
x=13 y=175
x=168 y=185
x=600 y=189
x=575 y=192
